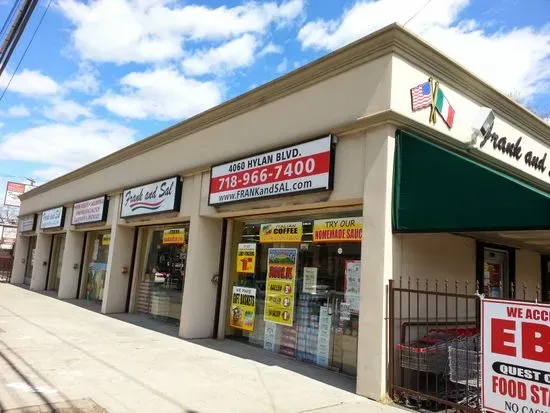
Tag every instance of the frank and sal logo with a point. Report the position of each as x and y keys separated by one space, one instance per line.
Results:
x=150 y=200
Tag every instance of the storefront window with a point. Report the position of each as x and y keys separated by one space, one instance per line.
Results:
x=98 y=252
x=295 y=288
x=162 y=274
x=58 y=246
x=30 y=261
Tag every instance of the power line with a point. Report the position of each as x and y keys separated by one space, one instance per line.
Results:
x=16 y=5
x=26 y=50
x=416 y=14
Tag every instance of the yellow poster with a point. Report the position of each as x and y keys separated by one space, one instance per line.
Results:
x=106 y=239
x=243 y=308
x=281 y=232
x=173 y=236
x=246 y=258
x=281 y=277
x=338 y=230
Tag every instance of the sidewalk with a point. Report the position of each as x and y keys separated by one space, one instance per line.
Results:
x=52 y=352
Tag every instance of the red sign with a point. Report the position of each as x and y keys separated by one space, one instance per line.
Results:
x=516 y=356
x=305 y=167
x=13 y=190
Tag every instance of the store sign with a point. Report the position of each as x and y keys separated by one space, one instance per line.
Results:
x=494 y=138
x=106 y=239
x=281 y=277
x=9 y=235
x=53 y=218
x=160 y=196
x=27 y=223
x=13 y=190
x=92 y=210
x=301 y=168
x=243 y=308
x=516 y=356
x=281 y=232
x=173 y=236
x=246 y=258
x=338 y=230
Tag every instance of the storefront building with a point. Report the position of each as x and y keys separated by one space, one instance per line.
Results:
x=287 y=210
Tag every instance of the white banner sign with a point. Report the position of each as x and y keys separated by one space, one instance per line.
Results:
x=160 y=196
x=305 y=167
x=9 y=235
x=516 y=356
x=27 y=223
x=92 y=210
x=52 y=218
x=13 y=190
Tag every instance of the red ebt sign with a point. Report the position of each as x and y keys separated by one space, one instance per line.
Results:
x=516 y=356
x=301 y=168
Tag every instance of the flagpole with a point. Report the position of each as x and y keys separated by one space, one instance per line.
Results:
x=434 y=86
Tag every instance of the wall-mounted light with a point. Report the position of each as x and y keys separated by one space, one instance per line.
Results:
x=124 y=270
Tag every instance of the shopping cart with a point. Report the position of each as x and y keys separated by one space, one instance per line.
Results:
x=430 y=353
x=465 y=369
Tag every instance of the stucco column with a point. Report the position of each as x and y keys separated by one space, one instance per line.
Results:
x=203 y=256
x=72 y=254
x=376 y=262
x=20 y=259
x=119 y=258
x=41 y=261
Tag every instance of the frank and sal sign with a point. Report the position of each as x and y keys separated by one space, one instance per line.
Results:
x=516 y=356
x=156 y=197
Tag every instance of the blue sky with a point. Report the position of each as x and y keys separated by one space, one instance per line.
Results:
x=102 y=74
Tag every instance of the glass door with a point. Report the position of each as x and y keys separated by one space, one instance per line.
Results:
x=57 y=261
x=30 y=261
x=495 y=273
x=98 y=253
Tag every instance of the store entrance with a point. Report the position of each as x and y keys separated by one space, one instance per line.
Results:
x=162 y=272
x=301 y=295
x=96 y=267
x=58 y=246
x=29 y=261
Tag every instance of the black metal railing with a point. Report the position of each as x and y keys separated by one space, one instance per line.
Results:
x=434 y=346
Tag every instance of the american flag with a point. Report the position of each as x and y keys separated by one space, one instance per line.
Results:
x=421 y=96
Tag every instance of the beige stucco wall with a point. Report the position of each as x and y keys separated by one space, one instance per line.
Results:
x=308 y=113
x=434 y=256
x=527 y=273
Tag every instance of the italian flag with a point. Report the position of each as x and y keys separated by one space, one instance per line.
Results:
x=444 y=108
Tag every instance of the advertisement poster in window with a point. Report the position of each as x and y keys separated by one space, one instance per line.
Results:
x=246 y=258
x=243 y=308
x=106 y=239
x=338 y=230
x=515 y=341
x=281 y=277
x=281 y=232
x=173 y=236
x=310 y=280
x=352 y=283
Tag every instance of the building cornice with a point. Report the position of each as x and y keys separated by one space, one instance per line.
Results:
x=391 y=39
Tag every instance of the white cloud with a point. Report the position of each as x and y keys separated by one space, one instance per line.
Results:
x=66 y=110
x=229 y=56
x=85 y=80
x=123 y=31
x=486 y=54
x=30 y=83
x=283 y=66
x=49 y=173
x=270 y=48
x=161 y=94
x=63 y=146
x=18 y=111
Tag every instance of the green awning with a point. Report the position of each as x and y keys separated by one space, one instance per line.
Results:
x=436 y=190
